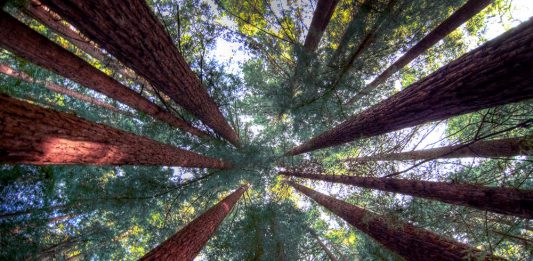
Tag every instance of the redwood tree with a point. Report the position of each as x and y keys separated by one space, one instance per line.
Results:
x=129 y=31
x=323 y=12
x=323 y=246
x=497 y=73
x=187 y=243
x=507 y=201
x=463 y=14
x=30 y=134
x=5 y=69
x=402 y=238
x=28 y=44
x=484 y=148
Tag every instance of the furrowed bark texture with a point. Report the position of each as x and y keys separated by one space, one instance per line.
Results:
x=53 y=21
x=402 y=238
x=39 y=12
x=5 y=69
x=28 y=44
x=463 y=14
x=484 y=148
x=132 y=34
x=187 y=243
x=497 y=73
x=30 y=134
x=323 y=12
x=506 y=201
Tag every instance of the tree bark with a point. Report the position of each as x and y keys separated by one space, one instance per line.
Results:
x=402 y=238
x=30 y=134
x=53 y=21
x=132 y=34
x=321 y=17
x=463 y=14
x=187 y=243
x=506 y=201
x=323 y=246
x=484 y=148
x=23 y=41
x=497 y=73
x=5 y=69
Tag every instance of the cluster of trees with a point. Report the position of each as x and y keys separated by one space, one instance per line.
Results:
x=123 y=137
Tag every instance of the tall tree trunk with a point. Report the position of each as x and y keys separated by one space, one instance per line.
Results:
x=34 y=135
x=355 y=27
x=23 y=41
x=507 y=201
x=323 y=246
x=187 y=243
x=402 y=238
x=274 y=227
x=53 y=21
x=5 y=69
x=497 y=73
x=140 y=42
x=484 y=148
x=321 y=17
x=463 y=14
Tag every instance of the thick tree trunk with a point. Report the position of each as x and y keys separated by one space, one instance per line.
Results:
x=23 y=41
x=187 y=243
x=463 y=14
x=53 y=21
x=484 y=148
x=41 y=13
x=330 y=255
x=132 y=34
x=31 y=134
x=323 y=12
x=402 y=238
x=507 y=201
x=5 y=69
x=497 y=73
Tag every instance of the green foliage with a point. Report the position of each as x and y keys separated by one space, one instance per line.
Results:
x=110 y=213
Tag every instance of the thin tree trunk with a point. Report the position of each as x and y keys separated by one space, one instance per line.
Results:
x=463 y=14
x=402 y=238
x=187 y=243
x=497 y=73
x=23 y=41
x=355 y=27
x=280 y=249
x=323 y=246
x=34 y=135
x=5 y=69
x=484 y=148
x=140 y=42
x=321 y=17
x=506 y=201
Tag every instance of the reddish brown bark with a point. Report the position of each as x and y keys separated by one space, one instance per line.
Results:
x=34 y=135
x=5 y=69
x=323 y=12
x=497 y=73
x=484 y=148
x=463 y=14
x=402 y=238
x=132 y=34
x=53 y=21
x=507 y=201
x=187 y=243
x=23 y=41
